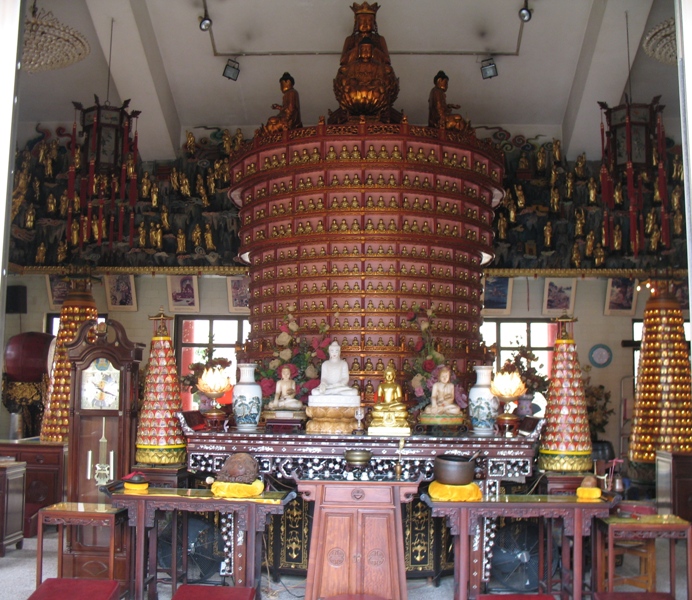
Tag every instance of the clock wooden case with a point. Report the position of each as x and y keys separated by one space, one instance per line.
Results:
x=103 y=411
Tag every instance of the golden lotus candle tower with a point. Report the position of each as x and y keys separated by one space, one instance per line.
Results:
x=566 y=441
x=662 y=404
x=160 y=439
x=78 y=307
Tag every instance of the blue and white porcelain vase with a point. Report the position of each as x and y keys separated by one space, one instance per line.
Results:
x=483 y=405
x=247 y=399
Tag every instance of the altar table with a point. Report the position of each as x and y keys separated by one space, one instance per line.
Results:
x=251 y=517
x=463 y=519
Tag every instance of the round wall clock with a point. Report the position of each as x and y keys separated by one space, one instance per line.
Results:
x=100 y=386
x=600 y=355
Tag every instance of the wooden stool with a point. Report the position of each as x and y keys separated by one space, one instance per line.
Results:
x=645 y=551
x=213 y=592
x=68 y=589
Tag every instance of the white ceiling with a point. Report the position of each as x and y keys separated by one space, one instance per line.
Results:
x=552 y=70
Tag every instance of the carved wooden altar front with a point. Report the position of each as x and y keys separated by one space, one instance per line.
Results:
x=321 y=457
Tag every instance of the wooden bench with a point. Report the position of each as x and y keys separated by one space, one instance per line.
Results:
x=69 y=589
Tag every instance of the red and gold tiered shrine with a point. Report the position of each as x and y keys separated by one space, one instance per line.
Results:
x=662 y=404
x=79 y=306
x=160 y=439
x=348 y=224
x=566 y=441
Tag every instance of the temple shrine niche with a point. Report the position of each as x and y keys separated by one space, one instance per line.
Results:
x=353 y=222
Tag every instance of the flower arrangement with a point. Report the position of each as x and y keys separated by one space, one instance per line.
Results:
x=522 y=362
x=303 y=357
x=597 y=405
x=427 y=365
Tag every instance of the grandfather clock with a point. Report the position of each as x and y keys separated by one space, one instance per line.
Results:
x=103 y=408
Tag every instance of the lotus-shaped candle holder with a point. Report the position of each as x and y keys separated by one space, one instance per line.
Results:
x=214 y=382
x=507 y=387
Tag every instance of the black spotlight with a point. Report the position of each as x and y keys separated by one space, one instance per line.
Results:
x=525 y=12
x=205 y=21
x=231 y=70
x=488 y=68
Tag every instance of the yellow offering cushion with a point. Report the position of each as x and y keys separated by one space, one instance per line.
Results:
x=588 y=493
x=229 y=489
x=455 y=493
x=136 y=486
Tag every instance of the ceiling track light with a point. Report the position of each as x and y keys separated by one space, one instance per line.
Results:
x=488 y=68
x=525 y=12
x=205 y=21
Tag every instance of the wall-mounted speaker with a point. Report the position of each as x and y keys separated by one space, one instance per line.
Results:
x=15 y=301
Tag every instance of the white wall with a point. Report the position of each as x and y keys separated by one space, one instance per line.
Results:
x=591 y=328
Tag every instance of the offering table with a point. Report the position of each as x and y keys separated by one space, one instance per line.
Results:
x=319 y=456
x=250 y=514
x=464 y=521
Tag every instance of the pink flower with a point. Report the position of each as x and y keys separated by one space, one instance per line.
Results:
x=283 y=328
x=320 y=354
x=325 y=342
x=410 y=315
x=429 y=365
x=268 y=386
x=419 y=345
x=419 y=392
x=311 y=384
x=315 y=343
x=296 y=351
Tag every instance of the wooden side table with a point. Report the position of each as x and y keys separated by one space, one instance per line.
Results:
x=78 y=513
x=641 y=527
x=357 y=544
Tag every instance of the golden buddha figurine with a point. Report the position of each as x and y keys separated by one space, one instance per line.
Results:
x=389 y=411
x=289 y=109
x=440 y=113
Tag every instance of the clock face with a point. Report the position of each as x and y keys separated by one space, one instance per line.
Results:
x=100 y=386
x=600 y=355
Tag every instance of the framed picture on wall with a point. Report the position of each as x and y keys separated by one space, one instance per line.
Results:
x=559 y=295
x=681 y=293
x=238 y=295
x=497 y=297
x=183 y=293
x=58 y=287
x=120 y=292
x=621 y=296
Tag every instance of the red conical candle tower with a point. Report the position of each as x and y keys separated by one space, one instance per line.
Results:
x=160 y=439
x=662 y=404
x=566 y=442
x=78 y=307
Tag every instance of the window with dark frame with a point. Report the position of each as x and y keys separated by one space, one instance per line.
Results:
x=198 y=338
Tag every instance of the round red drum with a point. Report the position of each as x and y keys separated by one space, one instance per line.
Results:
x=25 y=356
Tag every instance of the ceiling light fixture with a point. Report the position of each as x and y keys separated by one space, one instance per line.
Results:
x=48 y=44
x=488 y=68
x=525 y=12
x=205 y=21
x=231 y=70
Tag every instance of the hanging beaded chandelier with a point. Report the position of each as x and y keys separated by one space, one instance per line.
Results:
x=49 y=45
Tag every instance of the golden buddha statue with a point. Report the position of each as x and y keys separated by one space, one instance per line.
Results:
x=389 y=411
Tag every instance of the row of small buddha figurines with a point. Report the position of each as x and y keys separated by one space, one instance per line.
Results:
x=346 y=287
x=354 y=180
x=412 y=155
x=445 y=272
x=343 y=227
x=404 y=252
x=448 y=208
x=346 y=307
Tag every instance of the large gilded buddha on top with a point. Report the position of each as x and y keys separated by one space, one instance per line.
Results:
x=365 y=83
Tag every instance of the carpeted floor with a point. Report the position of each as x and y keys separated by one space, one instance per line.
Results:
x=18 y=575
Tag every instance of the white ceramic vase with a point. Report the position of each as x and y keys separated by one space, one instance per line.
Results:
x=247 y=399
x=483 y=405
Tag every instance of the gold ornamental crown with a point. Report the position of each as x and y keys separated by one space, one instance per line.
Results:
x=365 y=8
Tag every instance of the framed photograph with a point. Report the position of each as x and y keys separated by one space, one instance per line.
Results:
x=238 y=294
x=621 y=297
x=183 y=293
x=681 y=293
x=559 y=295
x=58 y=288
x=497 y=298
x=120 y=292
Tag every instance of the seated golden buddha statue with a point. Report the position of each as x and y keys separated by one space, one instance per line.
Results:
x=389 y=411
